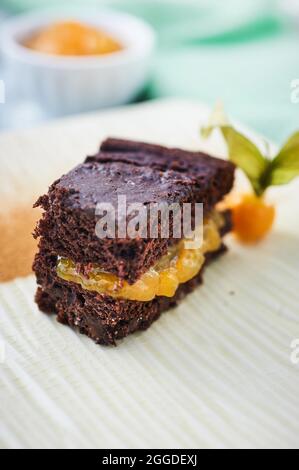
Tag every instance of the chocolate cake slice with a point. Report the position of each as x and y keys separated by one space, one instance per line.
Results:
x=110 y=287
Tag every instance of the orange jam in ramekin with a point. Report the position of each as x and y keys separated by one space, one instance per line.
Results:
x=72 y=38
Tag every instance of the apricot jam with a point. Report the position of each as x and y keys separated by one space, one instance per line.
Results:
x=74 y=39
x=177 y=266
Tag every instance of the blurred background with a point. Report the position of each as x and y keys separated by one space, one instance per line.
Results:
x=242 y=52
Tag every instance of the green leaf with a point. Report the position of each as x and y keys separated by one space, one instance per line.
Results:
x=260 y=170
x=244 y=153
x=217 y=119
x=241 y=151
x=285 y=166
x=206 y=131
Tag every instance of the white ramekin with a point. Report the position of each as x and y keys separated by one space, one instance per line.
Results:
x=65 y=85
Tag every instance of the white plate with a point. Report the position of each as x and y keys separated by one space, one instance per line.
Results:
x=214 y=372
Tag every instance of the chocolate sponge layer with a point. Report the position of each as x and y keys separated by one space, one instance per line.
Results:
x=143 y=173
x=102 y=318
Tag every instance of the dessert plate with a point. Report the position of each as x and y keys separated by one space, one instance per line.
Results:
x=220 y=370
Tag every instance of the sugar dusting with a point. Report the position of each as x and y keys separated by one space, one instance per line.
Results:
x=17 y=245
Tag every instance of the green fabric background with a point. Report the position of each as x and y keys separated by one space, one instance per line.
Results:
x=244 y=52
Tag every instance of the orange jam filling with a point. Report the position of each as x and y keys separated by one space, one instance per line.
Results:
x=72 y=38
x=179 y=265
